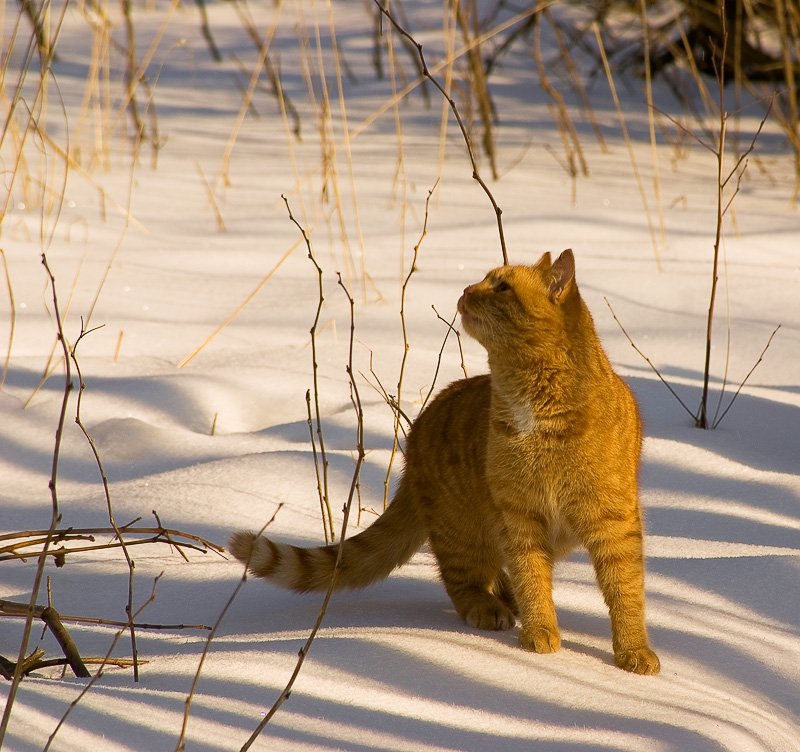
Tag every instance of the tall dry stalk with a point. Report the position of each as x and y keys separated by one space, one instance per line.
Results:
x=397 y=406
x=628 y=143
x=107 y=494
x=724 y=203
x=454 y=109
x=55 y=512
x=322 y=480
x=478 y=79
x=354 y=484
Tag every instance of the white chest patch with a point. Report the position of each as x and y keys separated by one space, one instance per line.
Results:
x=524 y=418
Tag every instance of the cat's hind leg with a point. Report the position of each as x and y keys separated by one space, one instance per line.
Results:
x=476 y=583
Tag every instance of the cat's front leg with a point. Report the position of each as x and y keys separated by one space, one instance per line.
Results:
x=615 y=546
x=530 y=564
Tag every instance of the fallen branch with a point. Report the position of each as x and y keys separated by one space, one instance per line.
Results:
x=47 y=538
x=12 y=608
x=107 y=660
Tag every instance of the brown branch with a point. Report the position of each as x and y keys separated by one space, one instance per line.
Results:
x=107 y=660
x=157 y=535
x=322 y=484
x=51 y=617
x=55 y=513
x=454 y=109
x=287 y=690
x=187 y=705
x=107 y=493
x=406 y=348
x=14 y=609
x=450 y=328
x=648 y=361
x=717 y=421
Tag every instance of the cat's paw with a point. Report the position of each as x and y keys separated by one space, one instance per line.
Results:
x=638 y=661
x=489 y=614
x=540 y=639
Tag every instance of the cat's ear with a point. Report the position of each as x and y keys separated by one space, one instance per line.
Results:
x=544 y=262
x=562 y=274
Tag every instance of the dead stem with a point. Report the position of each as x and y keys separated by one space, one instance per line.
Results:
x=287 y=690
x=12 y=318
x=648 y=361
x=187 y=705
x=107 y=493
x=406 y=347
x=322 y=488
x=628 y=143
x=192 y=355
x=475 y=172
x=450 y=328
x=55 y=511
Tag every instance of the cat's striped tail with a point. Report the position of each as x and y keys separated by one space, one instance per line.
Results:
x=366 y=558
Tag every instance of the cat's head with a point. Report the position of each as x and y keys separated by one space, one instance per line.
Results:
x=519 y=306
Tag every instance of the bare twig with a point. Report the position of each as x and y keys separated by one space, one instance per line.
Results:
x=322 y=483
x=406 y=348
x=12 y=318
x=648 y=361
x=192 y=355
x=11 y=608
x=718 y=420
x=103 y=663
x=54 y=622
x=107 y=494
x=187 y=705
x=723 y=205
x=479 y=81
x=631 y=156
x=55 y=512
x=475 y=172
x=55 y=536
x=284 y=695
x=450 y=328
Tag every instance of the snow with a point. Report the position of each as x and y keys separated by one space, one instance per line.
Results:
x=392 y=667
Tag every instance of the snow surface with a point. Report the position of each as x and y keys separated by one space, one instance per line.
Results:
x=392 y=668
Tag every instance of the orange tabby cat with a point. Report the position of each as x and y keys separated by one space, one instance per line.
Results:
x=509 y=471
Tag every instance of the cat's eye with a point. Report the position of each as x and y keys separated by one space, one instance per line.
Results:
x=502 y=286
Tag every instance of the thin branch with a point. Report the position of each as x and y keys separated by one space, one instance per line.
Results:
x=648 y=361
x=744 y=381
x=458 y=337
x=187 y=705
x=13 y=609
x=701 y=419
x=284 y=695
x=191 y=356
x=55 y=512
x=406 y=348
x=107 y=493
x=450 y=329
x=105 y=662
x=475 y=172
x=322 y=487
x=12 y=318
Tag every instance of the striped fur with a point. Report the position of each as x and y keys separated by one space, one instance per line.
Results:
x=507 y=472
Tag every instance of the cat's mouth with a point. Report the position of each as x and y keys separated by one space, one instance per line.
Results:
x=466 y=316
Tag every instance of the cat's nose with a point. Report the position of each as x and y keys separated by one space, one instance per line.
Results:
x=468 y=289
